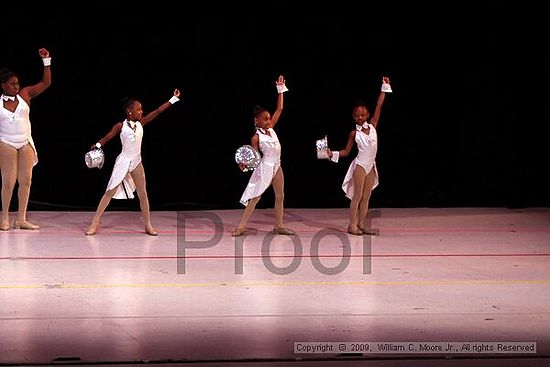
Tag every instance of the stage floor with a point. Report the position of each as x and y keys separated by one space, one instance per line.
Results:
x=194 y=294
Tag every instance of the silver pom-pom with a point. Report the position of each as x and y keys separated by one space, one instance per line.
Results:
x=322 y=147
x=94 y=158
x=248 y=156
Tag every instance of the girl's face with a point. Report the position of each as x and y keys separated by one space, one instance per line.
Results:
x=11 y=86
x=135 y=112
x=360 y=115
x=263 y=120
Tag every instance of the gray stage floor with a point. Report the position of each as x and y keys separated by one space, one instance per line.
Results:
x=471 y=277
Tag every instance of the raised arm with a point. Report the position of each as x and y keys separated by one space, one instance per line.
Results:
x=32 y=91
x=379 y=102
x=281 y=89
x=163 y=107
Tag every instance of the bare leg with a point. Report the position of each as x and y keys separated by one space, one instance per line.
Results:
x=103 y=203
x=364 y=204
x=24 y=178
x=279 y=189
x=8 y=166
x=358 y=184
x=239 y=231
x=138 y=175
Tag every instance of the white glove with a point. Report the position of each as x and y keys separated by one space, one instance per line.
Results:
x=386 y=87
x=281 y=88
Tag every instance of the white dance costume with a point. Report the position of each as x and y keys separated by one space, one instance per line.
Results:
x=15 y=127
x=367 y=145
x=127 y=160
x=269 y=164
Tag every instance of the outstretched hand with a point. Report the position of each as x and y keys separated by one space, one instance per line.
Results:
x=176 y=93
x=386 y=80
x=280 y=84
x=43 y=53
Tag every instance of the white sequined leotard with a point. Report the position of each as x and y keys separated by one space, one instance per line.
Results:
x=131 y=135
x=269 y=164
x=367 y=145
x=15 y=127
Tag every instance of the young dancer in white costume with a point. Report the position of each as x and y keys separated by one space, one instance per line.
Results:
x=362 y=176
x=269 y=171
x=17 y=150
x=128 y=173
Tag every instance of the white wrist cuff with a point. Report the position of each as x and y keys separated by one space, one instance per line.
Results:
x=386 y=87
x=173 y=100
x=98 y=145
x=281 y=88
x=335 y=156
x=47 y=61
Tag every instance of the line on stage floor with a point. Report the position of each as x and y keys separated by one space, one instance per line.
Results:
x=231 y=257
x=454 y=282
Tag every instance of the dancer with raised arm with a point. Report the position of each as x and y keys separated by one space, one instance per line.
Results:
x=362 y=176
x=128 y=173
x=18 y=153
x=269 y=172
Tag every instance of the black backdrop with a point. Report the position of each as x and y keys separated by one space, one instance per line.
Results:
x=465 y=126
